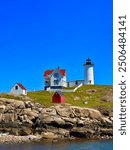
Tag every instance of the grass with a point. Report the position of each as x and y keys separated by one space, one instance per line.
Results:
x=42 y=97
x=95 y=96
x=9 y=96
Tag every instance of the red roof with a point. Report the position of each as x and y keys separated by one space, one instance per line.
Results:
x=21 y=86
x=62 y=72
x=48 y=72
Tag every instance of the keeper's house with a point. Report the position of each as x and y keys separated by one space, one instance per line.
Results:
x=18 y=88
x=55 y=79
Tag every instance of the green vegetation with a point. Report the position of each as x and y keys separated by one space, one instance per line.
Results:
x=10 y=96
x=42 y=97
x=94 y=96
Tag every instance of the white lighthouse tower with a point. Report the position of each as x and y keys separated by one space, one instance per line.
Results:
x=88 y=72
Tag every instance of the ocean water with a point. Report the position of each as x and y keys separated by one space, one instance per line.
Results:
x=73 y=145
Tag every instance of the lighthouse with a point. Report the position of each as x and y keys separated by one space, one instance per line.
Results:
x=88 y=72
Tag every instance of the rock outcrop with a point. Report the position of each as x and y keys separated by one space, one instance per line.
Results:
x=59 y=121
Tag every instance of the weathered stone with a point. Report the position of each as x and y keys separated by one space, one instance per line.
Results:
x=18 y=104
x=76 y=132
x=2 y=108
x=106 y=131
x=111 y=118
x=24 y=131
x=7 y=117
x=27 y=120
x=63 y=111
x=63 y=132
x=52 y=129
x=49 y=111
x=81 y=132
x=26 y=111
x=68 y=125
x=44 y=120
x=58 y=121
x=9 y=101
x=95 y=114
x=84 y=112
x=71 y=120
x=14 y=131
x=39 y=109
x=9 y=109
x=80 y=123
x=28 y=104
x=76 y=112
x=106 y=121
x=49 y=135
x=1 y=117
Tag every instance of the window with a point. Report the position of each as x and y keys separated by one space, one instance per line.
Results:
x=47 y=83
x=56 y=82
x=16 y=87
x=56 y=75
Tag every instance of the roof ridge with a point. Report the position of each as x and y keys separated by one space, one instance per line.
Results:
x=21 y=86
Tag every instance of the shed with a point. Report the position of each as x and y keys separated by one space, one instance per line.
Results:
x=58 y=97
x=18 y=88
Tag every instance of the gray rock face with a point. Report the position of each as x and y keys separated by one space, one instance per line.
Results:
x=58 y=121
x=2 y=108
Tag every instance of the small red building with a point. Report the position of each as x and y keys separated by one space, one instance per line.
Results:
x=58 y=97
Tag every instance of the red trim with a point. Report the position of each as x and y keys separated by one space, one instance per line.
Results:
x=48 y=72
x=21 y=86
x=62 y=71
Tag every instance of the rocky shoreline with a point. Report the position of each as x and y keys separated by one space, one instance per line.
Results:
x=25 y=121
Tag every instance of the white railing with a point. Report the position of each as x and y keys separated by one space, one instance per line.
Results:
x=81 y=84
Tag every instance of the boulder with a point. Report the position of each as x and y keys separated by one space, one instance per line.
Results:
x=107 y=122
x=24 y=131
x=17 y=104
x=63 y=111
x=49 y=111
x=7 y=117
x=58 y=121
x=95 y=114
x=71 y=120
x=63 y=132
x=29 y=104
x=80 y=123
x=2 y=108
x=106 y=131
x=41 y=120
x=80 y=112
x=81 y=132
x=49 y=135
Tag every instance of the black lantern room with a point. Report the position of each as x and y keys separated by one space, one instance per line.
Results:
x=88 y=62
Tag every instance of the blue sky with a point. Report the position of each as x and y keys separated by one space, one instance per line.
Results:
x=36 y=35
